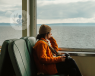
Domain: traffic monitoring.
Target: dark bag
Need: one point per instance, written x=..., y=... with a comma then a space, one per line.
x=67, y=55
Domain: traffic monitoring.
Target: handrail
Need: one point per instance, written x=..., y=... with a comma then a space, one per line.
x=91, y=54
x=77, y=49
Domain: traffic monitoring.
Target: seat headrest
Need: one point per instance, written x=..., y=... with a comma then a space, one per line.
x=32, y=40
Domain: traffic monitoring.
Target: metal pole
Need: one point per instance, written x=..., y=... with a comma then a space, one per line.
x=33, y=19
x=24, y=7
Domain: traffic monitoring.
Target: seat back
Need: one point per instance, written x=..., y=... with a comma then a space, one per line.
x=5, y=62
x=30, y=41
x=20, y=58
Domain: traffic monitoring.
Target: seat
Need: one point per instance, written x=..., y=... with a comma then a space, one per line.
x=20, y=58
x=5, y=63
x=30, y=41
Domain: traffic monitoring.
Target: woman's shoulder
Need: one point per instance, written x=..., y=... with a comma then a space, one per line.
x=40, y=42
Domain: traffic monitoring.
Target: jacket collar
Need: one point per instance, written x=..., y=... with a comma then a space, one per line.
x=44, y=39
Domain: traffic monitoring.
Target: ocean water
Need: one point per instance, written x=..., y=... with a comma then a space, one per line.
x=66, y=35
x=7, y=32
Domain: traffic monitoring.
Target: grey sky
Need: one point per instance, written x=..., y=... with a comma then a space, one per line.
x=64, y=11
x=7, y=7
x=51, y=11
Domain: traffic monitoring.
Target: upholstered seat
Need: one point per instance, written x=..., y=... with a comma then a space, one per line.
x=5, y=63
x=20, y=58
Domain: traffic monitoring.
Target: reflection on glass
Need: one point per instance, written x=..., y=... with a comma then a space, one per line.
x=7, y=7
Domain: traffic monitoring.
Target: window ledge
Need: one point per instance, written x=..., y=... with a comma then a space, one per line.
x=79, y=53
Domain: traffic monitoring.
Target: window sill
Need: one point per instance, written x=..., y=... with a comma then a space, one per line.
x=79, y=53
x=77, y=49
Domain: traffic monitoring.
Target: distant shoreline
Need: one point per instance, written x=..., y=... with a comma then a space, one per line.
x=66, y=24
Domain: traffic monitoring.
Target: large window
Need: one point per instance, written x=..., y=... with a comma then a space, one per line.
x=72, y=21
x=8, y=13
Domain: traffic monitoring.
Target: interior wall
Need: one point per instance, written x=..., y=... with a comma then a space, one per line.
x=85, y=64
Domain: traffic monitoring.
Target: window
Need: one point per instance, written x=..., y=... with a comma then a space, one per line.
x=7, y=8
x=72, y=21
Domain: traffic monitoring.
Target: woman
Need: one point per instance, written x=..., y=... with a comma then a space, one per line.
x=44, y=59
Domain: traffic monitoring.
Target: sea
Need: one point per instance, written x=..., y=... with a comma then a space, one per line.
x=67, y=35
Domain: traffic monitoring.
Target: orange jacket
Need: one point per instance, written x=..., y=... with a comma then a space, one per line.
x=43, y=57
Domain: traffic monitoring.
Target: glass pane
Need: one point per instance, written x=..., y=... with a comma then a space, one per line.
x=72, y=21
x=7, y=15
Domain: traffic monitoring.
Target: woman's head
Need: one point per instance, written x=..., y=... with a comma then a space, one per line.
x=44, y=29
x=44, y=32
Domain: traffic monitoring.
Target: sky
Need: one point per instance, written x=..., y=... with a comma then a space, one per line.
x=53, y=11
x=7, y=7
x=65, y=11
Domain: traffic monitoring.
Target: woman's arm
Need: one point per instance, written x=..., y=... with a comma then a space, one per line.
x=42, y=56
x=54, y=43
